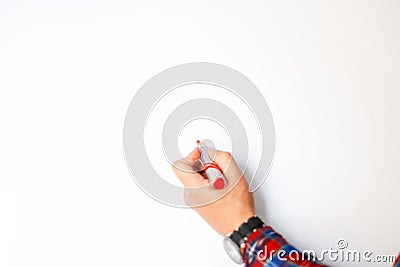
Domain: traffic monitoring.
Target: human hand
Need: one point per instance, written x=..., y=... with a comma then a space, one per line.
x=224, y=209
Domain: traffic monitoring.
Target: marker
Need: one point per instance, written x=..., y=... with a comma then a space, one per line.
x=211, y=169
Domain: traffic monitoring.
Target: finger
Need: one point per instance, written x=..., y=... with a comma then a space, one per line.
x=186, y=170
x=194, y=155
x=227, y=164
x=188, y=163
x=222, y=158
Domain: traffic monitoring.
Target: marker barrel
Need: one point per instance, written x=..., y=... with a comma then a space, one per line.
x=211, y=169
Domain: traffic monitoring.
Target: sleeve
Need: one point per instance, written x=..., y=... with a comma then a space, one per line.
x=397, y=261
x=265, y=247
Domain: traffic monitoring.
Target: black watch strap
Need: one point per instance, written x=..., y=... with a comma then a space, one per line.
x=240, y=235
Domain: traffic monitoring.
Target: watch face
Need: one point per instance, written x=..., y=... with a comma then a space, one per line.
x=233, y=250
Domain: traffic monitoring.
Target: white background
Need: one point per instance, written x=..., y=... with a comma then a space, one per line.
x=329, y=70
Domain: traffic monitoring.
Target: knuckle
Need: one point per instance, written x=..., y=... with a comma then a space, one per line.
x=175, y=163
x=226, y=156
x=173, y=166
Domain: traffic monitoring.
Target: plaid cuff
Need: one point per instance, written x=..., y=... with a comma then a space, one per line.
x=265, y=247
x=397, y=262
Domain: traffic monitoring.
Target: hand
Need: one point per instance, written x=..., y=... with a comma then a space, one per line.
x=225, y=209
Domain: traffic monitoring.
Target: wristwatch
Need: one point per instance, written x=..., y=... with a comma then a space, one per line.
x=235, y=242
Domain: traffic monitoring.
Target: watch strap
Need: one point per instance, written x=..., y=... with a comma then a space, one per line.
x=240, y=235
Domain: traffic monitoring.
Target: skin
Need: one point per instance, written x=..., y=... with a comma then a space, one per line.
x=225, y=209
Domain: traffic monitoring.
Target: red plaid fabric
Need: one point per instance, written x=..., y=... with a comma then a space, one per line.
x=265, y=247
x=397, y=262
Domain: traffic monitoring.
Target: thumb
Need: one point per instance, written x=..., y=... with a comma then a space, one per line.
x=194, y=155
x=186, y=170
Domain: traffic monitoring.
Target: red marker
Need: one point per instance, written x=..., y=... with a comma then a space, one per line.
x=210, y=168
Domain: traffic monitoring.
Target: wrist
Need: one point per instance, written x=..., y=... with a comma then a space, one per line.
x=236, y=242
x=238, y=221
